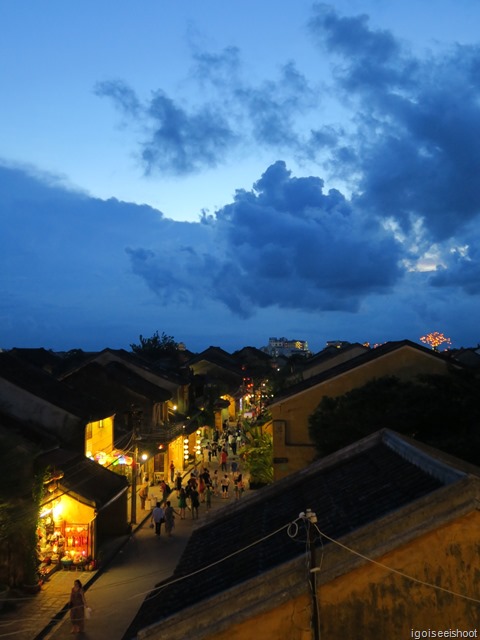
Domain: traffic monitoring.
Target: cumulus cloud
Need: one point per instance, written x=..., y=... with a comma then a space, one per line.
x=285, y=243
x=416, y=123
x=284, y=253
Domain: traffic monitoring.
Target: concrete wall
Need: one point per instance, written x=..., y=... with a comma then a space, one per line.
x=372, y=602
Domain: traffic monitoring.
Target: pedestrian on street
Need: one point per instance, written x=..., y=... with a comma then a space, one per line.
x=172, y=472
x=169, y=518
x=158, y=517
x=182, y=502
x=223, y=460
x=225, y=484
x=195, y=502
x=208, y=497
x=178, y=483
x=215, y=482
x=77, y=607
x=143, y=493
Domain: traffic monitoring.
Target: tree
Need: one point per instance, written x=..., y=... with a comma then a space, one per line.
x=155, y=347
x=258, y=454
x=440, y=410
x=21, y=489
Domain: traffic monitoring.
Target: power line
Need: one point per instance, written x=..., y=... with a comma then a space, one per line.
x=392, y=570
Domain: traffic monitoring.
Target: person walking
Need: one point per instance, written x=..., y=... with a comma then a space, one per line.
x=143, y=493
x=215, y=482
x=77, y=607
x=225, y=485
x=182, y=502
x=195, y=503
x=169, y=518
x=208, y=497
x=223, y=460
x=158, y=517
x=178, y=483
x=172, y=472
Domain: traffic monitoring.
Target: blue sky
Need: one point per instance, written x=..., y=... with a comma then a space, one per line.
x=230, y=171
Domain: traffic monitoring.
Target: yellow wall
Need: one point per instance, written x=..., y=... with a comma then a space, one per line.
x=101, y=436
x=371, y=602
x=291, y=439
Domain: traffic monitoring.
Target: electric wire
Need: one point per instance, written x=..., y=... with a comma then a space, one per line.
x=397, y=571
x=293, y=525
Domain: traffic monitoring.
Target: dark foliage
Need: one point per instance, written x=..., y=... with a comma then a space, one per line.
x=440, y=410
x=155, y=347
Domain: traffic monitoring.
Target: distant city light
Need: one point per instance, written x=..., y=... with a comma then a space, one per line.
x=435, y=339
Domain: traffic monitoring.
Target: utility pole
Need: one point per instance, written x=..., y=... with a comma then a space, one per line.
x=310, y=519
x=133, y=517
x=135, y=415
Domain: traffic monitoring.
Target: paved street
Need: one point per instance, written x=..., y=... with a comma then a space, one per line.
x=115, y=593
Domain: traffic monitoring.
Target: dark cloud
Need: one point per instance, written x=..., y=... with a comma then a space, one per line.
x=416, y=124
x=283, y=244
x=81, y=271
x=460, y=270
x=185, y=142
x=182, y=139
x=178, y=140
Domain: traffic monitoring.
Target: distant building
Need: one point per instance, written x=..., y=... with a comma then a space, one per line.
x=284, y=347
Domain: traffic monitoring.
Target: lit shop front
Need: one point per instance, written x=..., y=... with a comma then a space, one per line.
x=65, y=534
x=83, y=505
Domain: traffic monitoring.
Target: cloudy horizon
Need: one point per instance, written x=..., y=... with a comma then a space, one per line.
x=335, y=197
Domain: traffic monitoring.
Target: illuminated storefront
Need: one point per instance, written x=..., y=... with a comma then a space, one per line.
x=65, y=533
x=83, y=504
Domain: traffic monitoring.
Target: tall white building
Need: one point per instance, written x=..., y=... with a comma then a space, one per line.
x=284, y=347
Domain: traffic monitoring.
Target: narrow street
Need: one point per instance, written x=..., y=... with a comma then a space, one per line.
x=115, y=593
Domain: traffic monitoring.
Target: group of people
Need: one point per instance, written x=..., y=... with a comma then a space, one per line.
x=199, y=489
x=163, y=515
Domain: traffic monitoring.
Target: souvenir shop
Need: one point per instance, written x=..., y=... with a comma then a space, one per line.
x=65, y=532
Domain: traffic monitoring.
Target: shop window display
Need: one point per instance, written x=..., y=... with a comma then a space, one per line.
x=62, y=545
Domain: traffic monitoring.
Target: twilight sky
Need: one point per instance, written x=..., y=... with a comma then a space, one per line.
x=225, y=172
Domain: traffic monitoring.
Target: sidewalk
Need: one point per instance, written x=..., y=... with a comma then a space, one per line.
x=132, y=565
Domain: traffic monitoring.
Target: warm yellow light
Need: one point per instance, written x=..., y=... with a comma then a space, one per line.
x=57, y=510
x=435, y=339
x=144, y=456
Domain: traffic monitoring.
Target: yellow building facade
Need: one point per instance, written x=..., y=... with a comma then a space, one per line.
x=292, y=447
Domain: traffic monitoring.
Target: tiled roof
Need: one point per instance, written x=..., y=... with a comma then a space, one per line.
x=97, y=379
x=45, y=386
x=347, y=490
x=85, y=479
x=349, y=365
x=218, y=357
